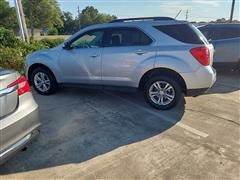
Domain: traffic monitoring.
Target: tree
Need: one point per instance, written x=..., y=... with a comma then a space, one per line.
x=90, y=15
x=70, y=25
x=52, y=31
x=8, y=17
x=44, y=14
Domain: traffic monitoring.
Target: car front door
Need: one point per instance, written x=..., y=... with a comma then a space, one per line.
x=124, y=51
x=80, y=60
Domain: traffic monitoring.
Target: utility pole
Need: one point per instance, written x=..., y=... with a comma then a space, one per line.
x=79, y=19
x=187, y=15
x=21, y=20
x=232, y=10
x=178, y=14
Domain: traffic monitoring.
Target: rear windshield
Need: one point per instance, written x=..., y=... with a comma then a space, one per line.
x=186, y=33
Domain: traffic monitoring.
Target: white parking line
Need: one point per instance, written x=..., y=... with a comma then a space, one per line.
x=163, y=117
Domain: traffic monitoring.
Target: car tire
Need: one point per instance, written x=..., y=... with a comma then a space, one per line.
x=43, y=81
x=159, y=97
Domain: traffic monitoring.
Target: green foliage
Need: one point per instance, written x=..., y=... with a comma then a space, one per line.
x=90, y=16
x=70, y=26
x=42, y=14
x=13, y=51
x=31, y=47
x=53, y=31
x=7, y=38
x=50, y=43
x=11, y=58
x=8, y=17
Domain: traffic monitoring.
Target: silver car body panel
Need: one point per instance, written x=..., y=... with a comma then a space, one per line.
x=8, y=96
x=227, y=49
x=84, y=65
x=122, y=66
x=19, y=117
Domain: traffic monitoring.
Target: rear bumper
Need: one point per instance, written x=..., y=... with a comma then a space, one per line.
x=203, y=78
x=19, y=128
x=12, y=150
x=202, y=81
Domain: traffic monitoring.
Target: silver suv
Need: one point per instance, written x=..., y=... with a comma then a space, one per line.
x=19, y=122
x=161, y=56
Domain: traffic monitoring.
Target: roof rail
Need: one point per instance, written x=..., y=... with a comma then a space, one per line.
x=143, y=19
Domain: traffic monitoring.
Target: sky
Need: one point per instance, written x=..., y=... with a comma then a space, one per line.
x=198, y=10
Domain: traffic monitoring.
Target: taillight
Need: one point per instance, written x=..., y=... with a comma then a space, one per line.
x=202, y=55
x=22, y=84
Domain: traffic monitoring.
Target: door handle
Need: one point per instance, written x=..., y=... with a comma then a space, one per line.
x=140, y=52
x=94, y=55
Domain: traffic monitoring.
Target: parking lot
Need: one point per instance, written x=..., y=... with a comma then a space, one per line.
x=107, y=134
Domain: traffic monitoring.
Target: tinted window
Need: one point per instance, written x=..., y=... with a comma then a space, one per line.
x=226, y=33
x=91, y=39
x=217, y=33
x=186, y=33
x=207, y=33
x=126, y=37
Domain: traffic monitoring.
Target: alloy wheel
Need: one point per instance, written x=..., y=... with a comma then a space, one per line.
x=42, y=82
x=161, y=93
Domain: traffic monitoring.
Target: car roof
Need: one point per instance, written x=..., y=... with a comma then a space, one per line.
x=137, y=23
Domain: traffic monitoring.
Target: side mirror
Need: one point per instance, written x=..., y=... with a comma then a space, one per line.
x=66, y=46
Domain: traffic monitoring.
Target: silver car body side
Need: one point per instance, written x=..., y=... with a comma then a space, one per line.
x=121, y=66
x=227, y=50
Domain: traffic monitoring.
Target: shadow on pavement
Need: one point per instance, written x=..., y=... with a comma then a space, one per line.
x=78, y=125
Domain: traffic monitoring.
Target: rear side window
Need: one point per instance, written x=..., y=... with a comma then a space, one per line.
x=126, y=37
x=186, y=33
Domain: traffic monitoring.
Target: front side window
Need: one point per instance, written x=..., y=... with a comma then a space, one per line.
x=126, y=37
x=91, y=39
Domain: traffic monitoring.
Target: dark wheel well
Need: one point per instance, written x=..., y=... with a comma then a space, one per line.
x=159, y=72
x=34, y=66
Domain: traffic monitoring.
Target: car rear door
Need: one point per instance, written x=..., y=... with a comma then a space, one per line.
x=125, y=49
x=8, y=96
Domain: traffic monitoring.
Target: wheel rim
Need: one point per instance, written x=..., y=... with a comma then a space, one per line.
x=161, y=93
x=42, y=82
